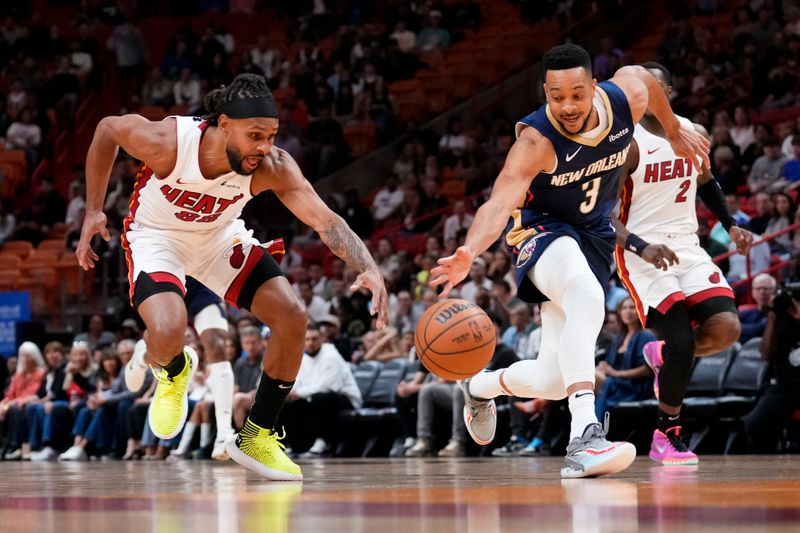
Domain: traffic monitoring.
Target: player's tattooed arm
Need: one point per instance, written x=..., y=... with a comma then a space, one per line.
x=343, y=242
x=302, y=200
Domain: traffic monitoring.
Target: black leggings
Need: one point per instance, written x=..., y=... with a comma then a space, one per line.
x=675, y=328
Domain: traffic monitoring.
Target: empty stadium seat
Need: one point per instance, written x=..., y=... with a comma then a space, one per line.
x=744, y=382
x=705, y=385
x=20, y=248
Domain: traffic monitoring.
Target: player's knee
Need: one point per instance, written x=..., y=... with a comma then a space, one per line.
x=583, y=297
x=296, y=315
x=722, y=330
x=165, y=339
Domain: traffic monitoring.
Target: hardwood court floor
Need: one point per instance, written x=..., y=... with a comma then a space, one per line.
x=405, y=496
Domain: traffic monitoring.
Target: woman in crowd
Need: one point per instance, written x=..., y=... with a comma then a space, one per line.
x=624, y=375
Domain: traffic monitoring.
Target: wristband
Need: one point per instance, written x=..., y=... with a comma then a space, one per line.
x=636, y=244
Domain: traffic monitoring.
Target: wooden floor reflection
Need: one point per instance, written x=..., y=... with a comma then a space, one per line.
x=405, y=496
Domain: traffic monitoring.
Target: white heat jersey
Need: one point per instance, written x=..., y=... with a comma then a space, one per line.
x=185, y=200
x=659, y=197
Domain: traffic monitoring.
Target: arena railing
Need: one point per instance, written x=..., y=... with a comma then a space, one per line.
x=773, y=268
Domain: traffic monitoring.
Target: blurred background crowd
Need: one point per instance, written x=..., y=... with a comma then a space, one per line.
x=359, y=81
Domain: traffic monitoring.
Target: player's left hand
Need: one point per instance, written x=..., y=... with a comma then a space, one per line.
x=660, y=256
x=373, y=281
x=689, y=143
x=742, y=238
x=451, y=270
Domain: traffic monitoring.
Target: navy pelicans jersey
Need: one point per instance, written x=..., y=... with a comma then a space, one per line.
x=577, y=196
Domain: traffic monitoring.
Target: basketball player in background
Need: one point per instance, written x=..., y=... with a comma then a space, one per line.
x=657, y=221
x=556, y=192
x=196, y=175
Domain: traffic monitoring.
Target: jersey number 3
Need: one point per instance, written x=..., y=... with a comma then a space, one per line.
x=684, y=186
x=592, y=189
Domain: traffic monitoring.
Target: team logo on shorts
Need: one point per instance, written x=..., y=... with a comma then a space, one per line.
x=714, y=278
x=235, y=254
x=526, y=252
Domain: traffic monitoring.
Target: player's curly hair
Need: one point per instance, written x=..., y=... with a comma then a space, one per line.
x=566, y=56
x=242, y=86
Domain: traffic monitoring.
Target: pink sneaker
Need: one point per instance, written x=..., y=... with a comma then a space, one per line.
x=654, y=358
x=668, y=449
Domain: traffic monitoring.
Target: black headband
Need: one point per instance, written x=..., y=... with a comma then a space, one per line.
x=262, y=107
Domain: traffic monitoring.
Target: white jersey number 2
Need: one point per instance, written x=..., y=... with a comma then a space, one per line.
x=592, y=188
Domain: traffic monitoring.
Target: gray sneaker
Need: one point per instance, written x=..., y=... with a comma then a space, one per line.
x=480, y=416
x=593, y=455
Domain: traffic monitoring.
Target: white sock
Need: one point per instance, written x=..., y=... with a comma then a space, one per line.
x=319, y=446
x=186, y=439
x=581, y=406
x=486, y=385
x=220, y=382
x=205, y=434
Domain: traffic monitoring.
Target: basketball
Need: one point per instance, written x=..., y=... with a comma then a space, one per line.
x=455, y=339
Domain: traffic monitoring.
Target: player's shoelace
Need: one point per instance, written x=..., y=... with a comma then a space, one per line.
x=676, y=440
x=260, y=443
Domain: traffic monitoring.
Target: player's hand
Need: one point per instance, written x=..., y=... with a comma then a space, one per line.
x=94, y=223
x=689, y=143
x=373, y=280
x=660, y=256
x=742, y=238
x=451, y=270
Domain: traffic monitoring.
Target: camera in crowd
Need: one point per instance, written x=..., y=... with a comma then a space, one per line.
x=787, y=293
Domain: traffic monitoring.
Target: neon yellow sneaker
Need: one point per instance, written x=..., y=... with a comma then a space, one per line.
x=261, y=451
x=170, y=401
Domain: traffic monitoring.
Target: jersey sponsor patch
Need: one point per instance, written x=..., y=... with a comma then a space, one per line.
x=614, y=136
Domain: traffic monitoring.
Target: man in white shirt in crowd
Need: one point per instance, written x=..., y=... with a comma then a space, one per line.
x=23, y=134
x=317, y=307
x=324, y=387
x=388, y=200
x=459, y=220
x=477, y=280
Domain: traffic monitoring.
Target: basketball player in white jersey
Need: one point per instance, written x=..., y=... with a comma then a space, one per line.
x=195, y=178
x=206, y=313
x=657, y=226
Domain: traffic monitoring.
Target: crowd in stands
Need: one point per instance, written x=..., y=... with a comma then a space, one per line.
x=71, y=400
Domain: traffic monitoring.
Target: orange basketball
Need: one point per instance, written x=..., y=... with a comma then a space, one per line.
x=455, y=339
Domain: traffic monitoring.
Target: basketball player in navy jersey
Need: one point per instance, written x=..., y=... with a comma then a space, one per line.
x=554, y=198
x=196, y=176
x=657, y=217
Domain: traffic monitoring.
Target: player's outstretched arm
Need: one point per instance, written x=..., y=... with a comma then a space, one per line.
x=644, y=92
x=297, y=194
x=529, y=155
x=147, y=141
x=711, y=194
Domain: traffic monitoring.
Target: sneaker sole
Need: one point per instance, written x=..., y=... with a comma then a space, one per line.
x=613, y=462
x=251, y=464
x=469, y=428
x=185, y=410
x=675, y=462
